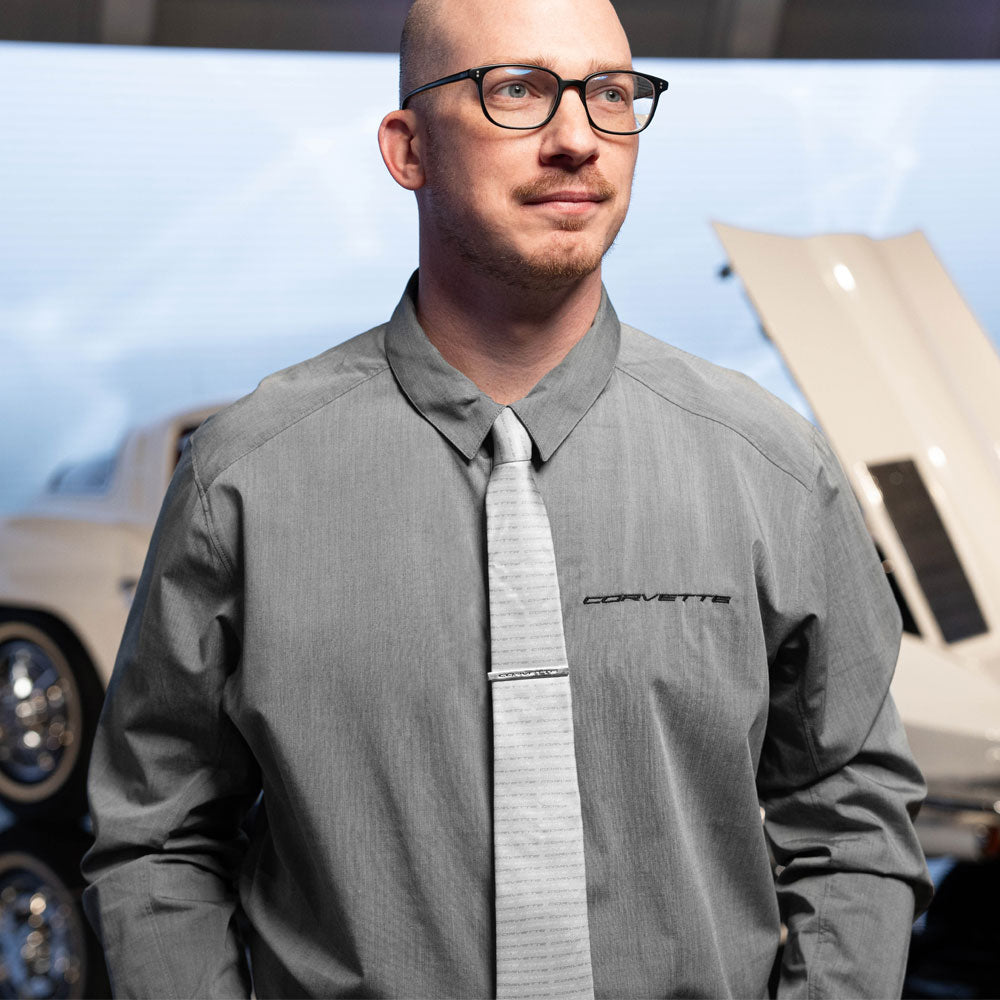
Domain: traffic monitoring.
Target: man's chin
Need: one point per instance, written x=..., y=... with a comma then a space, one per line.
x=561, y=258
x=564, y=261
x=547, y=272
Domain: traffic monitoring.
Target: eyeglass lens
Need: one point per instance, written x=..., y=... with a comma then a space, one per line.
x=523, y=97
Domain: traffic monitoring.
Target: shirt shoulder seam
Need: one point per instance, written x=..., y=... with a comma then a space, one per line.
x=298, y=419
x=722, y=423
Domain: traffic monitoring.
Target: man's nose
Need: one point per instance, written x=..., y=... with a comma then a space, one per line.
x=569, y=136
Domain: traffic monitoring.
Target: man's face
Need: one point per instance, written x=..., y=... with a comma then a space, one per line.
x=492, y=195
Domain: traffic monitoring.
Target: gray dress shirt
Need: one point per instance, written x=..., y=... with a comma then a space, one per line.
x=312, y=623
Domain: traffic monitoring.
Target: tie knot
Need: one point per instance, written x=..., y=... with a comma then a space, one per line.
x=511, y=442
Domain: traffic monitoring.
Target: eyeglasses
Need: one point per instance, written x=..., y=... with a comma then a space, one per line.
x=619, y=102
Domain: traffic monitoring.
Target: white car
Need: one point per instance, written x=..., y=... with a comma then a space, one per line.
x=69, y=564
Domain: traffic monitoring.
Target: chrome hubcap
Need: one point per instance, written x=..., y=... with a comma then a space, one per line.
x=40, y=940
x=35, y=730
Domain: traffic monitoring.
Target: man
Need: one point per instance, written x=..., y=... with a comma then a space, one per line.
x=348, y=606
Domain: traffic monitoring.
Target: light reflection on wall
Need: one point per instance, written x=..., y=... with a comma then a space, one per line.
x=175, y=224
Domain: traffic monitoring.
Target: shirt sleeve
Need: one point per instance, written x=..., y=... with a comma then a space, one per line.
x=171, y=778
x=837, y=781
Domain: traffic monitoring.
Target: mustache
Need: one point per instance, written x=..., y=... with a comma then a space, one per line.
x=592, y=183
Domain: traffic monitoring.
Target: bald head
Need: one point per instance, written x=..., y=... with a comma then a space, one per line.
x=435, y=28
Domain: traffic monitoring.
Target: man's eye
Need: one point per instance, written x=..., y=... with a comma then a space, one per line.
x=517, y=90
x=613, y=96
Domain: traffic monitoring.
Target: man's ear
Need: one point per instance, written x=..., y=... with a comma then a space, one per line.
x=401, y=149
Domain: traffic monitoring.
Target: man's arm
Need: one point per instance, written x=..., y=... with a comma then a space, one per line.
x=171, y=777
x=836, y=779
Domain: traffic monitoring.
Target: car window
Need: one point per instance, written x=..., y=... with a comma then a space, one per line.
x=90, y=476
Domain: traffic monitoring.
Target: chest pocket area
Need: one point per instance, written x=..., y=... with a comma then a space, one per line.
x=689, y=662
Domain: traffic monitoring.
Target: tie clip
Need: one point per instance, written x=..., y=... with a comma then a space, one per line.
x=527, y=675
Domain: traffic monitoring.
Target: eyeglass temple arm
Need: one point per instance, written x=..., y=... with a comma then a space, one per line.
x=464, y=75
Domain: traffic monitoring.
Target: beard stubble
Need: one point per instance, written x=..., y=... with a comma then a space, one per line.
x=489, y=251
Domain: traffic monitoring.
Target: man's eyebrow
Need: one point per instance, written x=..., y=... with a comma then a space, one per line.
x=596, y=65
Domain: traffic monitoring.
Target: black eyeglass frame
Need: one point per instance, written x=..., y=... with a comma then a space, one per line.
x=477, y=74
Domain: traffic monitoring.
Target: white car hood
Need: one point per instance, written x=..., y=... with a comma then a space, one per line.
x=906, y=385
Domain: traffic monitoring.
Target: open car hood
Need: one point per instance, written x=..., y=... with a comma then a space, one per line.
x=906, y=386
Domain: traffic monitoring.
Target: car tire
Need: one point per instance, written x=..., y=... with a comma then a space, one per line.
x=50, y=699
x=47, y=948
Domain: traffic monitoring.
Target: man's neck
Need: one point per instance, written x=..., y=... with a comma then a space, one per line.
x=504, y=339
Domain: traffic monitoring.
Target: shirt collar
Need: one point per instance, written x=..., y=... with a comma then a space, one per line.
x=464, y=414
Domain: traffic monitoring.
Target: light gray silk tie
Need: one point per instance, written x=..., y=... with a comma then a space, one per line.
x=542, y=934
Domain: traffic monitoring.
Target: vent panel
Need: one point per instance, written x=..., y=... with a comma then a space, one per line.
x=929, y=549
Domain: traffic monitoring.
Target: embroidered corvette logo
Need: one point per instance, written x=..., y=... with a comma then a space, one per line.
x=618, y=598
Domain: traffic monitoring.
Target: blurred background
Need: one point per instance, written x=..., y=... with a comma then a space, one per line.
x=191, y=197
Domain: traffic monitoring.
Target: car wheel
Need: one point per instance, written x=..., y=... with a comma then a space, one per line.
x=49, y=703
x=47, y=949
